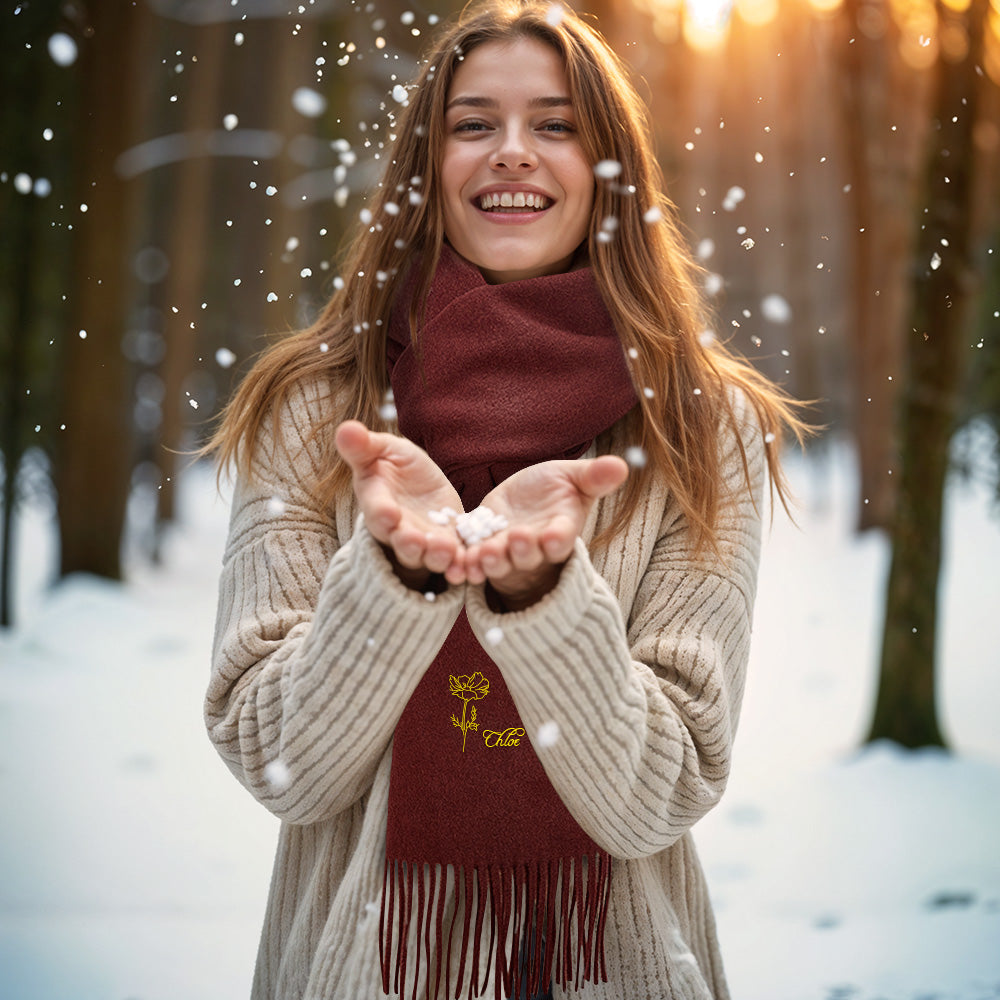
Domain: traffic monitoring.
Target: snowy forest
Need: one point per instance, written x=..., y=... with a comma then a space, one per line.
x=176, y=179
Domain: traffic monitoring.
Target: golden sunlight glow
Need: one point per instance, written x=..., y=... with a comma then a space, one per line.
x=825, y=6
x=706, y=23
x=666, y=15
x=925, y=30
x=918, y=32
x=757, y=12
x=991, y=57
x=954, y=42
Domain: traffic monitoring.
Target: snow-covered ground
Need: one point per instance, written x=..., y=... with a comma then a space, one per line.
x=133, y=867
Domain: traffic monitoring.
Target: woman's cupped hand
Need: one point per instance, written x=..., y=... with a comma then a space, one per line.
x=402, y=493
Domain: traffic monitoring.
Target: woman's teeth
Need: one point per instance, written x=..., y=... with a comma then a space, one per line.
x=513, y=199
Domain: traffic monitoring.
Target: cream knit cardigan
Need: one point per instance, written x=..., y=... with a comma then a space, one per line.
x=638, y=656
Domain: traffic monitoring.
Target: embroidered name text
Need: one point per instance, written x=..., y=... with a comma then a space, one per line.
x=508, y=738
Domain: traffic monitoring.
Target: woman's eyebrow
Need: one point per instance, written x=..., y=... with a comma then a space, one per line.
x=471, y=101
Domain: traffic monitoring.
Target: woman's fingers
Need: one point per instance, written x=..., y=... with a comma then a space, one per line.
x=558, y=538
x=597, y=477
x=525, y=550
x=455, y=573
x=493, y=556
x=354, y=442
x=380, y=507
x=440, y=551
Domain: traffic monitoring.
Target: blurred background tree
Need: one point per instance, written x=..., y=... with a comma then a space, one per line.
x=176, y=177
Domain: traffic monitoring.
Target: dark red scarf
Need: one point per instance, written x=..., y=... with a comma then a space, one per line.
x=508, y=375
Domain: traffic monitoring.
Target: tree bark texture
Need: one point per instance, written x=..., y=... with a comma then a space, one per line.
x=187, y=251
x=27, y=262
x=95, y=458
x=906, y=706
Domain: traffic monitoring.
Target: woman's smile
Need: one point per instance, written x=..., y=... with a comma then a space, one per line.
x=514, y=202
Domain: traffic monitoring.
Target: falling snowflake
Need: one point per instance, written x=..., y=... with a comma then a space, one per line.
x=635, y=456
x=713, y=283
x=608, y=170
x=387, y=411
x=775, y=308
x=225, y=358
x=733, y=197
x=277, y=775
x=494, y=635
x=308, y=102
x=547, y=735
x=62, y=49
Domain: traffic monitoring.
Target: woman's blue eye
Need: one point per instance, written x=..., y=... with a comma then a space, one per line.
x=470, y=126
x=558, y=127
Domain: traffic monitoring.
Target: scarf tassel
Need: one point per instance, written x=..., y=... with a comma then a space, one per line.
x=554, y=909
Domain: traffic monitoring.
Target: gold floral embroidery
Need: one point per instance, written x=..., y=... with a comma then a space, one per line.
x=468, y=689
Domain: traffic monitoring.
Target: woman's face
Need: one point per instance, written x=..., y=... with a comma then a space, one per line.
x=516, y=186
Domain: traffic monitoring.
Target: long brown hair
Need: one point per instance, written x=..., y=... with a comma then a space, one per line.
x=644, y=270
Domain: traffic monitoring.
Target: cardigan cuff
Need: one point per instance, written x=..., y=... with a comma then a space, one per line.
x=377, y=578
x=556, y=614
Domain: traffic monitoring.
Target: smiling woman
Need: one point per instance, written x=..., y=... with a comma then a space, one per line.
x=516, y=185
x=537, y=319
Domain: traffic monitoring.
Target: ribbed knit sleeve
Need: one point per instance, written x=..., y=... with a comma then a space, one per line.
x=318, y=645
x=634, y=719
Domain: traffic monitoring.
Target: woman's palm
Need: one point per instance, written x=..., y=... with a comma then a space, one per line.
x=546, y=507
x=398, y=486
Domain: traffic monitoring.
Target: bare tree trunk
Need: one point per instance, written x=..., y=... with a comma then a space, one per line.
x=22, y=222
x=875, y=350
x=906, y=709
x=95, y=457
x=17, y=257
x=187, y=252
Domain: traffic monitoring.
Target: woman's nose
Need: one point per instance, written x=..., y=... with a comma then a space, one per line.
x=514, y=151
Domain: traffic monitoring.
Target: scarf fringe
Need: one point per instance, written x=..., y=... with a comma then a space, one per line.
x=557, y=909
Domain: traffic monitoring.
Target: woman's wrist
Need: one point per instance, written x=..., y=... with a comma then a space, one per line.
x=501, y=596
x=418, y=578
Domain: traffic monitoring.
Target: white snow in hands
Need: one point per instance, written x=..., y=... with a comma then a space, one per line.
x=472, y=527
x=478, y=525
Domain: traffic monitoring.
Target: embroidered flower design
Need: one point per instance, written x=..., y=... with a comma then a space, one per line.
x=468, y=689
